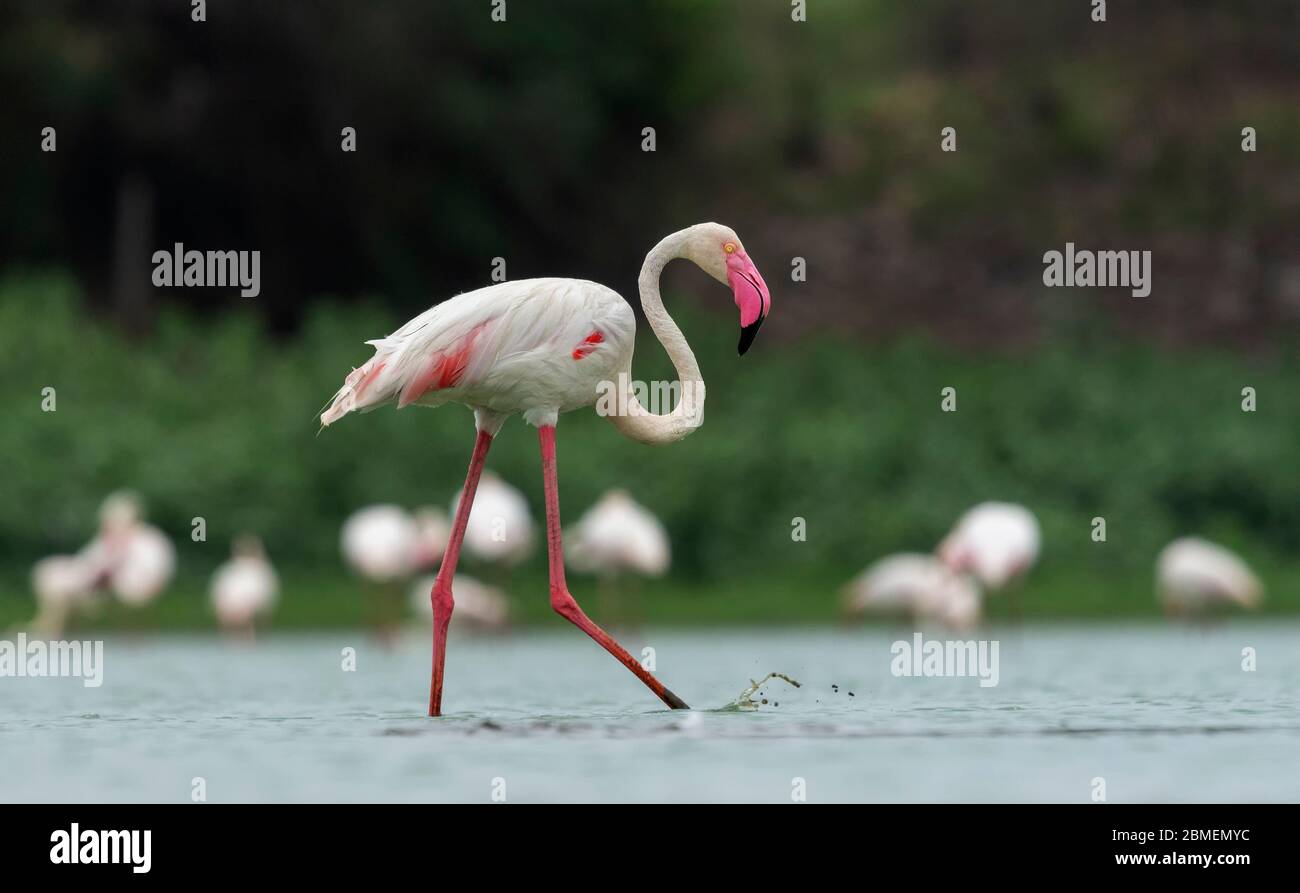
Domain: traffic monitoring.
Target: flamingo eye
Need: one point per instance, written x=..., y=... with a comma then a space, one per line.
x=730, y=247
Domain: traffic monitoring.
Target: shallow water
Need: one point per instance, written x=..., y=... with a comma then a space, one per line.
x=1161, y=713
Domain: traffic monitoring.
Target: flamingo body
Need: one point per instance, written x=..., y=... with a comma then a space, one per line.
x=62, y=584
x=618, y=534
x=384, y=543
x=62, y=581
x=244, y=588
x=996, y=541
x=918, y=585
x=144, y=566
x=536, y=346
x=500, y=527
x=1193, y=574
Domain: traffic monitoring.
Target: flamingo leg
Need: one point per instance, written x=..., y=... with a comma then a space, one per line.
x=441, y=593
x=561, y=601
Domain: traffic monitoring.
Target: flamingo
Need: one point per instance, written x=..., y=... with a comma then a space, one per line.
x=540, y=347
x=477, y=604
x=244, y=588
x=919, y=585
x=63, y=584
x=1193, y=575
x=615, y=537
x=618, y=534
x=500, y=527
x=135, y=559
x=385, y=545
x=996, y=541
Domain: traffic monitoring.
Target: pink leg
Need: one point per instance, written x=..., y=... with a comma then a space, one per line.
x=441, y=594
x=561, y=600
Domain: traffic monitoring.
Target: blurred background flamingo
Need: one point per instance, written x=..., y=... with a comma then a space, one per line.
x=137, y=558
x=500, y=528
x=244, y=589
x=1195, y=576
x=997, y=542
x=617, y=539
x=918, y=586
x=385, y=545
x=131, y=559
x=64, y=585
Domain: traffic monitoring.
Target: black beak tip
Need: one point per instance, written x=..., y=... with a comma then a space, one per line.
x=747, y=335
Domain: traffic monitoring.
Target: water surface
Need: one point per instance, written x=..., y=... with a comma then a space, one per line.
x=1159, y=712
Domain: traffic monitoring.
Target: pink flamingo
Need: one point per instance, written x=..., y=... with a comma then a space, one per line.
x=540, y=347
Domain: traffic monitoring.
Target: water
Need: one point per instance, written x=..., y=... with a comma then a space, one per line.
x=1161, y=713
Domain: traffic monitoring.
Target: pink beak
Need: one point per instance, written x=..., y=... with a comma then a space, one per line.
x=752, y=296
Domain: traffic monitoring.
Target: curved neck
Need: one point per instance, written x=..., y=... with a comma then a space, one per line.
x=635, y=421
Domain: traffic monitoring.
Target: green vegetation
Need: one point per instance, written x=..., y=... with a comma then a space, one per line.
x=214, y=418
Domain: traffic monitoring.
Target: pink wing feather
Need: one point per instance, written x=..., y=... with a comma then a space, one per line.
x=506, y=337
x=430, y=353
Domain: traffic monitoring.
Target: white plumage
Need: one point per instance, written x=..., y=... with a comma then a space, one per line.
x=477, y=604
x=505, y=348
x=500, y=526
x=996, y=541
x=917, y=585
x=62, y=581
x=144, y=568
x=63, y=584
x=618, y=534
x=385, y=543
x=245, y=588
x=1193, y=574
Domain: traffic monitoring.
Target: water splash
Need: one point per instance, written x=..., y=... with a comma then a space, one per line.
x=745, y=700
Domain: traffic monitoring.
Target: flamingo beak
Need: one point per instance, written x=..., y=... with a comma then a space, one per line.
x=752, y=296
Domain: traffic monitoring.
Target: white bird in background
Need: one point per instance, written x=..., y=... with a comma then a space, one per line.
x=1194, y=575
x=63, y=584
x=245, y=588
x=478, y=606
x=996, y=541
x=917, y=585
x=539, y=348
x=500, y=526
x=617, y=535
x=136, y=559
x=386, y=544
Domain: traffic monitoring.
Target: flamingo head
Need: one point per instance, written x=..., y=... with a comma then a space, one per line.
x=248, y=546
x=718, y=251
x=120, y=514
